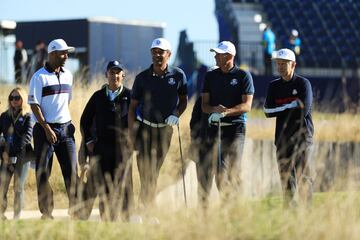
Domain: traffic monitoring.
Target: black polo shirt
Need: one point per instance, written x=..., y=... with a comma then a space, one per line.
x=158, y=96
x=227, y=88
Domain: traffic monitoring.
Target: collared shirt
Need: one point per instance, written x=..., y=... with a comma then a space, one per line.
x=227, y=89
x=113, y=94
x=158, y=96
x=52, y=92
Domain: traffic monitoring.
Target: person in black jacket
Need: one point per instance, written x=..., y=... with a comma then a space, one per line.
x=289, y=99
x=16, y=128
x=110, y=171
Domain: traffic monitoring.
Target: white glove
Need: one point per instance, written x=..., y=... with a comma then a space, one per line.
x=172, y=120
x=215, y=117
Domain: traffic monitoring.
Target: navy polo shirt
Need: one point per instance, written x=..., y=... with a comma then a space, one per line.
x=227, y=88
x=158, y=96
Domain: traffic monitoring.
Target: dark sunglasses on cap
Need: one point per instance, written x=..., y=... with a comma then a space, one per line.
x=16, y=98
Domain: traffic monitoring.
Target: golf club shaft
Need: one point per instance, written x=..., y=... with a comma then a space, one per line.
x=182, y=165
x=219, y=147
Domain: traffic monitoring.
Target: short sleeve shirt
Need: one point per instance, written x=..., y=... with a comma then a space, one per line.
x=158, y=96
x=227, y=89
x=52, y=93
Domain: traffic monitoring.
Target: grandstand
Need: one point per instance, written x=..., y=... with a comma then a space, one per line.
x=328, y=29
x=329, y=32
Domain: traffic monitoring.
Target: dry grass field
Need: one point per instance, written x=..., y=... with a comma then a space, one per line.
x=334, y=216
x=328, y=127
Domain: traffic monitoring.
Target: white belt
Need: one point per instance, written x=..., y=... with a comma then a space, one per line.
x=154, y=125
x=222, y=124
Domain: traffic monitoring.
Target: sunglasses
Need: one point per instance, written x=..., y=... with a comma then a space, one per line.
x=16, y=98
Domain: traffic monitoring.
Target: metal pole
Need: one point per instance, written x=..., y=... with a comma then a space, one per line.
x=182, y=166
x=219, y=146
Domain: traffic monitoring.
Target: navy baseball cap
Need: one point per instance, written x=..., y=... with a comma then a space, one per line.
x=114, y=64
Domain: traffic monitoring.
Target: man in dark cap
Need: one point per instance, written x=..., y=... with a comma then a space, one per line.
x=110, y=169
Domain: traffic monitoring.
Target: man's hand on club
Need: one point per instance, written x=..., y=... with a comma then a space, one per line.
x=172, y=120
x=215, y=117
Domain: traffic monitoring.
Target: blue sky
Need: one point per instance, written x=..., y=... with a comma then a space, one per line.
x=196, y=16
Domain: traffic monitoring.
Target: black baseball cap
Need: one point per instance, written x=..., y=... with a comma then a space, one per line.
x=114, y=64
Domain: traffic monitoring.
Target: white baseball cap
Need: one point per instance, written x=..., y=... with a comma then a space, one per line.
x=59, y=45
x=224, y=47
x=285, y=54
x=161, y=43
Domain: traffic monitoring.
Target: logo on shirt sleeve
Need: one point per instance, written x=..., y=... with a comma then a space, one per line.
x=234, y=82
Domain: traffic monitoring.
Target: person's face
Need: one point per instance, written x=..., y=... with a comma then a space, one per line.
x=15, y=100
x=224, y=59
x=160, y=57
x=217, y=59
x=285, y=67
x=115, y=77
x=59, y=58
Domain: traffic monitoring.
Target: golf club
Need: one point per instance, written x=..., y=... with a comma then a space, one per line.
x=182, y=165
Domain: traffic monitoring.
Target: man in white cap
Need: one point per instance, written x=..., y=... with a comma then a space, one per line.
x=227, y=96
x=289, y=99
x=49, y=97
x=158, y=98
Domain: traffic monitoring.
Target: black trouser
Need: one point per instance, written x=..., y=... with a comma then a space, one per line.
x=20, y=171
x=153, y=144
x=294, y=164
x=65, y=151
x=110, y=177
x=227, y=171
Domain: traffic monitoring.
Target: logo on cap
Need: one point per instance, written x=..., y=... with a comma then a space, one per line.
x=285, y=54
x=161, y=43
x=114, y=64
x=224, y=47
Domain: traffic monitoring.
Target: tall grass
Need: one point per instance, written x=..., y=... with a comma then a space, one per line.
x=333, y=215
x=328, y=127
